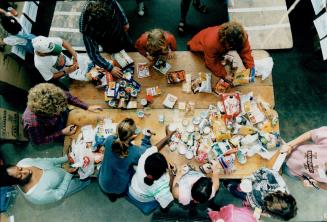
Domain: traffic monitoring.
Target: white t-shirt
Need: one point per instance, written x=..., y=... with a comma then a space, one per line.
x=185, y=186
x=159, y=190
x=48, y=65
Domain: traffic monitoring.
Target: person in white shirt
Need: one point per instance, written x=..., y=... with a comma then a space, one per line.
x=191, y=187
x=150, y=185
x=54, y=65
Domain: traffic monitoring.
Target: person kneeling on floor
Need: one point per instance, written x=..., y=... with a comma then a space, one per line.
x=46, y=114
x=42, y=180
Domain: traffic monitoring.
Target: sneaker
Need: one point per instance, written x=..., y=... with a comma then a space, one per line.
x=141, y=9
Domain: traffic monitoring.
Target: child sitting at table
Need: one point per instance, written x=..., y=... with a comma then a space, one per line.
x=155, y=43
x=119, y=157
x=149, y=187
x=191, y=187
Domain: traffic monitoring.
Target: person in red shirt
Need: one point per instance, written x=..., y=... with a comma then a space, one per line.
x=156, y=42
x=216, y=41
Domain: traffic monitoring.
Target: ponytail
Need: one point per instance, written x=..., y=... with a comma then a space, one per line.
x=119, y=148
x=148, y=180
x=125, y=131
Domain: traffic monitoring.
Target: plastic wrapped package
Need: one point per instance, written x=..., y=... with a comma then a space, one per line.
x=202, y=83
x=244, y=77
x=232, y=104
x=88, y=133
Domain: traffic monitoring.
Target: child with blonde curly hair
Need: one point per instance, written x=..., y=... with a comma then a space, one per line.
x=155, y=43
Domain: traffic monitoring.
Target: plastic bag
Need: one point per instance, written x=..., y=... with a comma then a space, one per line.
x=221, y=86
x=83, y=158
x=243, y=77
x=232, y=104
x=202, y=83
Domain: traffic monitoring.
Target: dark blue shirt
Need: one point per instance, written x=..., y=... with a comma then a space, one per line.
x=116, y=172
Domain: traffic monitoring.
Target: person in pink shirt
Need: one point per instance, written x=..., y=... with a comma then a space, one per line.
x=307, y=157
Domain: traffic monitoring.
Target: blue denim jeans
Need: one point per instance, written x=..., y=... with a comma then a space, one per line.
x=77, y=185
x=145, y=207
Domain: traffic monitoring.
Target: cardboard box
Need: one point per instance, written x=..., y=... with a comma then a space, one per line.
x=4, y=218
x=8, y=123
x=11, y=127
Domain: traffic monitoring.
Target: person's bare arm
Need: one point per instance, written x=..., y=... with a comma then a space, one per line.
x=293, y=144
x=67, y=70
x=175, y=185
x=161, y=144
x=70, y=49
x=215, y=176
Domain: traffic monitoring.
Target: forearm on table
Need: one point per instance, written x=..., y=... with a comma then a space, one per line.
x=161, y=144
x=58, y=75
x=215, y=66
x=215, y=181
x=92, y=49
x=73, y=100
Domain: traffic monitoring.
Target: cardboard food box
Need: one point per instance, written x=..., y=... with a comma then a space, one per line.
x=9, y=120
x=11, y=127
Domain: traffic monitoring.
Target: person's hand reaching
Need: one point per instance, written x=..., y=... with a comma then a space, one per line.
x=116, y=72
x=69, y=130
x=94, y=108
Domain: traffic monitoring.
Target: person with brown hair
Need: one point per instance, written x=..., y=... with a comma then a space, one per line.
x=42, y=180
x=214, y=42
x=103, y=22
x=46, y=113
x=265, y=189
x=119, y=158
x=156, y=42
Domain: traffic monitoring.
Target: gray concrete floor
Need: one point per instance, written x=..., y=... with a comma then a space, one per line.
x=300, y=100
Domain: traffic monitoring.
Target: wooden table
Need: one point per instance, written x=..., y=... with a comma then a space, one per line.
x=266, y=22
x=190, y=63
x=184, y=60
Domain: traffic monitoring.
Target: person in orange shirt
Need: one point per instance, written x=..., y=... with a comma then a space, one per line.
x=216, y=41
x=156, y=42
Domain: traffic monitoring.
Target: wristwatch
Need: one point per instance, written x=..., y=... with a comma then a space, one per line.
x=65, y=73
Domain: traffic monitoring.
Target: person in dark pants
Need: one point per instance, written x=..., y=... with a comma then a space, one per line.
x=185, y=6
x=104, y=23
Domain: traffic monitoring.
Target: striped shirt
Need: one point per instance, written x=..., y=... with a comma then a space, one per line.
x=92, y=46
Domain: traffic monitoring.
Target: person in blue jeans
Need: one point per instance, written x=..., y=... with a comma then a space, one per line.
x=119, y=157
x=42, y=180
x=18, y=36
